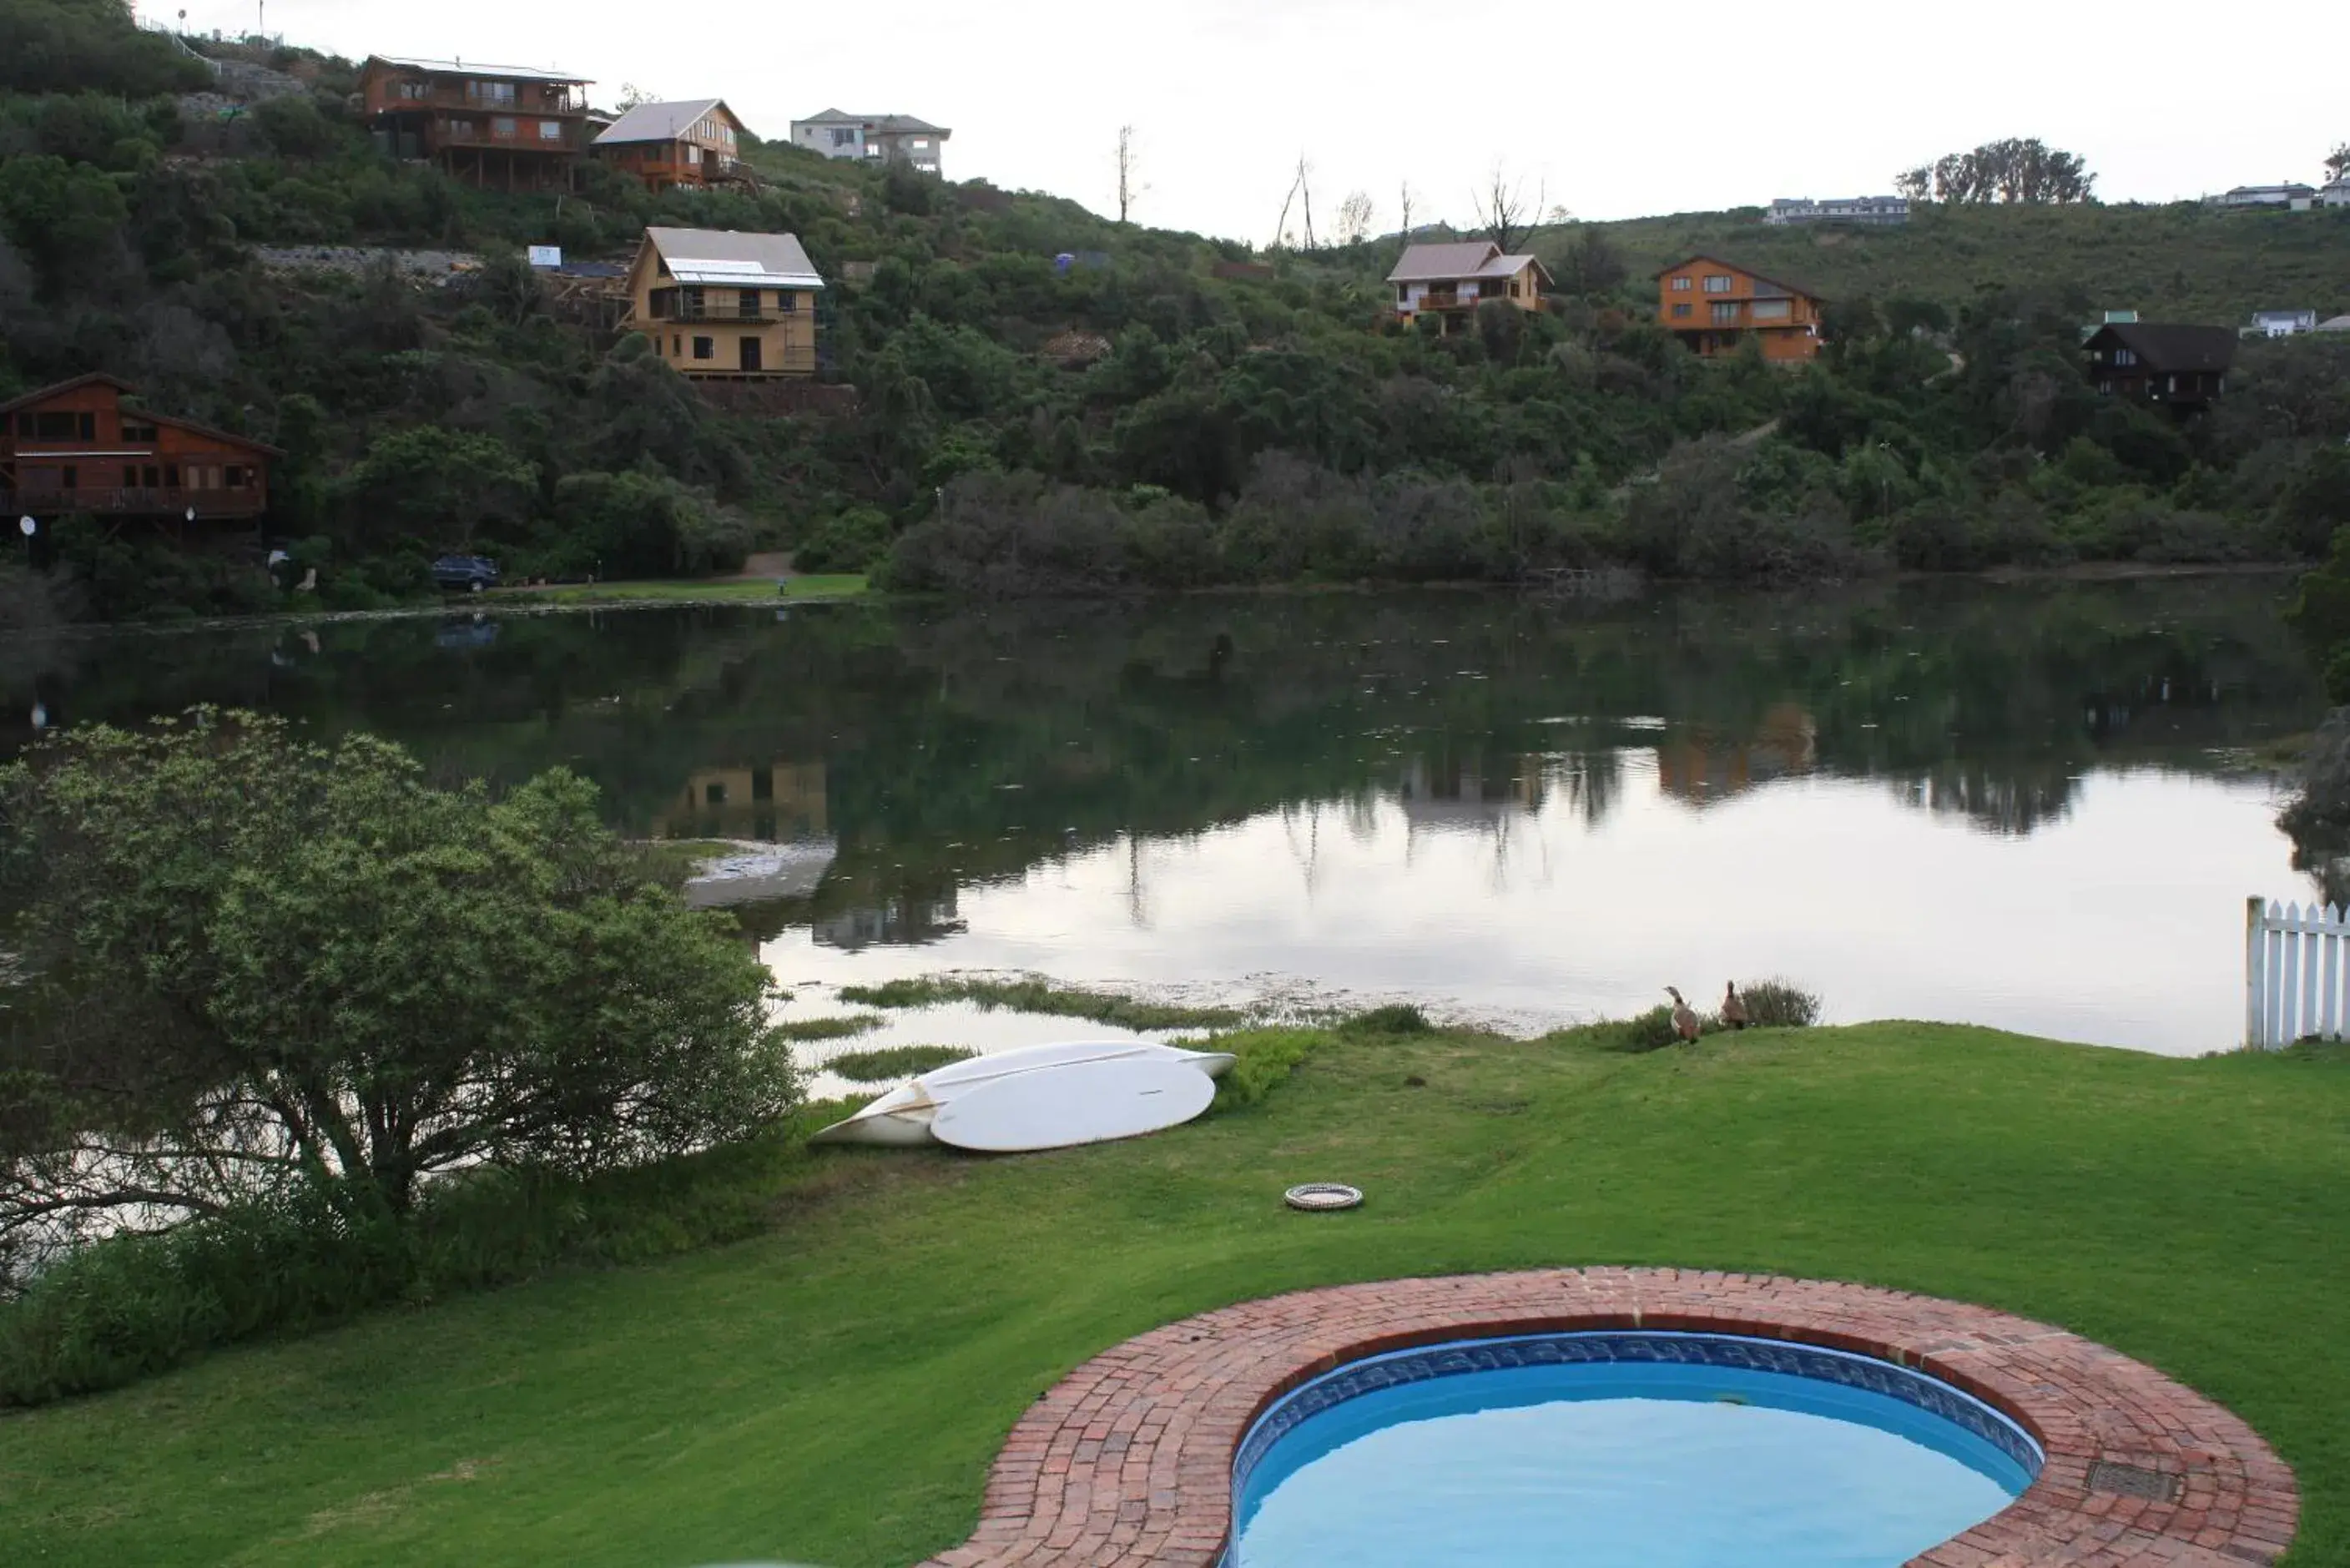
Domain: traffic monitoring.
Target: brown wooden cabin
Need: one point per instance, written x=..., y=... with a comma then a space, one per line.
x=514, y=127
x=75, y=448
x=1714, y=306
x=2182, y=367
x=696, y=143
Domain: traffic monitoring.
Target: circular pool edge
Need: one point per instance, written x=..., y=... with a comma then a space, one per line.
x=1128, y=1461
x=1615, y=1348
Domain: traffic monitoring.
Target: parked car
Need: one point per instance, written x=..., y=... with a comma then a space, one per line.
x=465, y=574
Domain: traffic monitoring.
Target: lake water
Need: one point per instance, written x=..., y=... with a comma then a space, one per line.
x=2038, y=807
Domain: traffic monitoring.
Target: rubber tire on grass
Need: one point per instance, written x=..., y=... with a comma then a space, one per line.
x=1323, y=1197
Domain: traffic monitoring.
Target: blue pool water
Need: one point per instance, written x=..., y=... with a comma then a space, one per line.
x=1620, y=1450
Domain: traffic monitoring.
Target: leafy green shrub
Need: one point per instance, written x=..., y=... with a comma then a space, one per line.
x=897, y=1062
x=1649, y=1031
x=840, y=1028
x=1264, y=1060
x=849, y=541
x=1779, y=1004
x=1397, y=1018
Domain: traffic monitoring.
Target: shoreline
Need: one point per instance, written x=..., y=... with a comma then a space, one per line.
x=500, y=604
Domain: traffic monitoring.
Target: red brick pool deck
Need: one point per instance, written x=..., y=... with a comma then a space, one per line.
x=1128, y=1461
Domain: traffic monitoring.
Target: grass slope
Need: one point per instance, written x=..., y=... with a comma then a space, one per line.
x=833, y=1392
x=2177, y=263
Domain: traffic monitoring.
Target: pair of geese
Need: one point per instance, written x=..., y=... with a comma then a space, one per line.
x=1685, y=1019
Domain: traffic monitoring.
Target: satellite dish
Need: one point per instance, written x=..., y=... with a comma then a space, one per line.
x=27, y=527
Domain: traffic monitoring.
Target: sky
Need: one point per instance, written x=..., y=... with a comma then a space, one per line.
x=1609, y=112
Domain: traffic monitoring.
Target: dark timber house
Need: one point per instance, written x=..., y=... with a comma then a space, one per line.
x=75, y=448
x=2182, y=367
x=511, y=128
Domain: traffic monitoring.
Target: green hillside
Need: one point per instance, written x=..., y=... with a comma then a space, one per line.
x=2178, y=262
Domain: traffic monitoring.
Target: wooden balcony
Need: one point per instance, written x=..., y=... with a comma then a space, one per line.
x=555, y=105
x=114, y=501
x=524, y=138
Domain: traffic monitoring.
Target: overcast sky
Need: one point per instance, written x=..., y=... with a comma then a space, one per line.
x=1617, y=111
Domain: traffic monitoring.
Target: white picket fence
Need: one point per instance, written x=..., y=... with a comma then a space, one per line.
x=2296, y=974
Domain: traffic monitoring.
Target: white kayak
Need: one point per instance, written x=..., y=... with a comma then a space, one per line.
x=903, y=1117
x=1083, y=1102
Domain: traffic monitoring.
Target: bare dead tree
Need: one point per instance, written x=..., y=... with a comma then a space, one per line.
x=1406, y=230
x=1355, y=215
x=1129, y=189
x=1300, y=190
x=1504, y=214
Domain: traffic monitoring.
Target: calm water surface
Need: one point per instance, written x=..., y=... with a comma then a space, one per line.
x=2033, y=808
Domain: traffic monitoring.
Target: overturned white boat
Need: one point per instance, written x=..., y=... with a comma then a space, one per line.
x=903, y=1116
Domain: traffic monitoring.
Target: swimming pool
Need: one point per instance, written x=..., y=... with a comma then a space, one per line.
x=1620, y=1449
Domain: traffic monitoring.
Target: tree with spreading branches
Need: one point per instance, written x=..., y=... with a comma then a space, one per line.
x=1503, y=213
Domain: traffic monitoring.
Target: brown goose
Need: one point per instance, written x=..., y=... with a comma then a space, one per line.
x=1685, y=1024
x=1733, y=1008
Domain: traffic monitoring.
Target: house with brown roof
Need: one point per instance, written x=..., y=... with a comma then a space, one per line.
x=513, y=127
x=1714, y=307
x=76, y=448
x=695, y=142
x=722, y=303
x=2180, y=367
x=1448, y=281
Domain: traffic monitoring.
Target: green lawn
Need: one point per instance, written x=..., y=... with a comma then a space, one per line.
x=720, y=590
x=833, y=1391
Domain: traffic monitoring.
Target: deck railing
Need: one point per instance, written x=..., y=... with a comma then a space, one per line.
x=117, y=501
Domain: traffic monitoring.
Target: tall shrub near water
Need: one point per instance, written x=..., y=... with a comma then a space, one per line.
x=253, y=973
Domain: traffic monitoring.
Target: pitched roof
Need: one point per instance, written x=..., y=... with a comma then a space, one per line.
x=1810, y=294
x=459, y=67
x=1439, y=263
x=895, y=124
x=663, y=121
x=2335, y=324
x=729, y=259
x=2170, y=349
x=100, y=379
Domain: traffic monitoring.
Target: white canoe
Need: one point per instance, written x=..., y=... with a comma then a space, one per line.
x=1083, y=1102
x=901, y=1119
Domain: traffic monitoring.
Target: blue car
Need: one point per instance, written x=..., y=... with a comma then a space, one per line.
x=465, y=574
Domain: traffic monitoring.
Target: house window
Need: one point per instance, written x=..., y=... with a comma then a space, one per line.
x=1771, y=310
x=239, y=478
x=676, y=346
x=490, y=92
x=129, y=477
x=786, y=302
x=66, y=426
x=2125, y=357
x=843, y=136
x=1680, y=286
x=550, y=131
x=152, y=477
x=135, y=429
x=1681, y=310
x=73, y=478
x=662, y=302
x=1725, y=314
x=172, y=476
x=1717, y=284
x=705, y=348
x=502, y=128
x=749, y=303
x=692, y=153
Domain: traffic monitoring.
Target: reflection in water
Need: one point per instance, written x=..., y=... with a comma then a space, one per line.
x=1513, y=804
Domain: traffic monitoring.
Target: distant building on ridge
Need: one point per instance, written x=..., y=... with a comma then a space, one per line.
x=1714, y=306
x=2280, y=323
x=2290, y=196
x=510, y=127
x=695, y=142
x=1450, y=282
x=718, y=304
x=873, y=139
x=1882, y=211
x=2180, y=367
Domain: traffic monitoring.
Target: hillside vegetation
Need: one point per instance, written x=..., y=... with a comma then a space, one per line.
x=2183, y=261
x=1236, y=431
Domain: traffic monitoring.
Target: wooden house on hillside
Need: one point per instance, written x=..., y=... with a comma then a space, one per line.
x=697, y=143
x=1713, y=307
x=1451, y=281
x=76, y=448
x=512, y=128
x=2182, y=367
x=722, y=303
